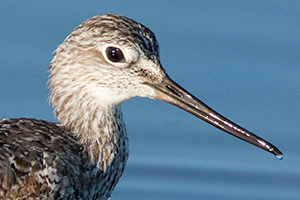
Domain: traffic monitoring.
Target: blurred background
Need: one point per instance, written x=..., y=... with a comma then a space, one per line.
x=239, y=57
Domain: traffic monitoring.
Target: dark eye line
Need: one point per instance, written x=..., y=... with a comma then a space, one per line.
x=115, y=54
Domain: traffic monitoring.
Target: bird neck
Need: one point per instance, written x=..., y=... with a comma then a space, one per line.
x=101, y=132
x=88, y=110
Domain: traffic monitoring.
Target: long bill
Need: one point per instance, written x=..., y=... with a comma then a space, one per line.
x=173, y=93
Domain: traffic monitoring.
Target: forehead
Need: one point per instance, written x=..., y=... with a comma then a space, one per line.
x=123, y=30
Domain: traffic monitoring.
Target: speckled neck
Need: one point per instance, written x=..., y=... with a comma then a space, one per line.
x=98, y=126
x=102, y=133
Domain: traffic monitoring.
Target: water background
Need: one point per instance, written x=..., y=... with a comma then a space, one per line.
x=239, y=57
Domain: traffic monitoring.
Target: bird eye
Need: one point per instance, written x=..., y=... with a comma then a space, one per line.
x=115, y=54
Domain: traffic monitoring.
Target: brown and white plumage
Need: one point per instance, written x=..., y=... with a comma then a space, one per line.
x=84, y=156
x=106, y=60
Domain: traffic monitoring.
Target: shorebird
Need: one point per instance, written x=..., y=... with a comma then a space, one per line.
x=106, y=60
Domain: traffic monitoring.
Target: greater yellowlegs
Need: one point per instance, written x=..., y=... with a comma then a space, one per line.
x=106, y=60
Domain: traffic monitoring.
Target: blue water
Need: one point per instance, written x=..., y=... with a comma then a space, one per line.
x=239, y=57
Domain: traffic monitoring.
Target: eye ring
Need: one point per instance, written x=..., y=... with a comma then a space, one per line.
x=115, y=54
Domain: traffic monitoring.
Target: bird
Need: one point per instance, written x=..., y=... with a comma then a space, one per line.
x=105, y=61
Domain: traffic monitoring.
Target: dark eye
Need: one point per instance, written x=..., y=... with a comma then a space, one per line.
x=115, y=54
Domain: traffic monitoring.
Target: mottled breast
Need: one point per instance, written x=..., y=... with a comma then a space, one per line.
x=41, y=160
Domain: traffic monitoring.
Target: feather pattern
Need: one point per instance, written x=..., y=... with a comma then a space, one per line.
x=84, y=155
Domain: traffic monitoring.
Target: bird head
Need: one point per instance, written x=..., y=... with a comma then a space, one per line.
x=109, y=59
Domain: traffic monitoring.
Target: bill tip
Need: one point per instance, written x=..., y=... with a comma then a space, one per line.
x=279, y=156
